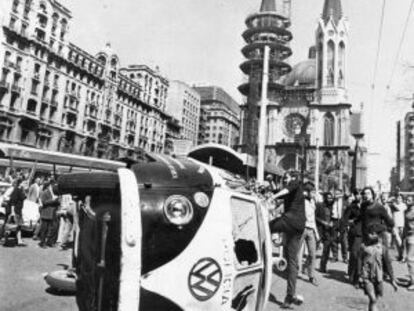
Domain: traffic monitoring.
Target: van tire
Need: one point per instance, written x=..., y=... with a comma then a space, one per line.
x=60, y=281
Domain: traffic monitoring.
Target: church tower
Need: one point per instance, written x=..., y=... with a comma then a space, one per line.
x=332, y=50
x=268, y=27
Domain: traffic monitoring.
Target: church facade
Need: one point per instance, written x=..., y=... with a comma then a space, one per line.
x=309, y=118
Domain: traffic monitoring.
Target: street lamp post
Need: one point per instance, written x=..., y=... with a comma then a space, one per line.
x=303, y=140
x=263, y=117
x=357, y=137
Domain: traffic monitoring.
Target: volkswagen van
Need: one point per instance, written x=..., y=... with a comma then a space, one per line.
x=169, y=234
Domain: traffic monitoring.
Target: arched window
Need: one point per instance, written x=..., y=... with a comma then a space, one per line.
x=329, y=130
x=63, y=29
x=331, y=63
x=341, y=64
x=102, y=59
x=320, y=62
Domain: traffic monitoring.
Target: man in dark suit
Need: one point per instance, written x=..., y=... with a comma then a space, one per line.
x=49, y=203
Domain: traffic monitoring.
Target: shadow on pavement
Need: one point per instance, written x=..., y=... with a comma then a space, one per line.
x=336, y=275
x=56, y=292
x=273, y=299
x=353, y=303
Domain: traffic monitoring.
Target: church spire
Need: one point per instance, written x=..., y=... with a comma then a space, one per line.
x=268, y=6
x=332, y=8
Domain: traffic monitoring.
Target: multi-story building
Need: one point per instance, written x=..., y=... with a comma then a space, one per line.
x=221, y=114
x=56, y=96
x=406, y=181
x=172, y=134
x=183, y=103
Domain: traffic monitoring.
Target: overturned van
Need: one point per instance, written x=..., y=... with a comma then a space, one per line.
x=170, y=234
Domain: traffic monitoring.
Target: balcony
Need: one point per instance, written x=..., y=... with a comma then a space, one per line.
x=4, y=85
x=71, y=107
x=71, y=125
x=93, y=103
x=92, y=116
x=118, y=114
x=8, y=64
x=45, y=100
x=18, y=68
x=55, y=86
x=46, y=83
x=73, y=94
x=90, y=132
x=53, y=103
x=107, y=121
x=34, y=92
x=16, y=89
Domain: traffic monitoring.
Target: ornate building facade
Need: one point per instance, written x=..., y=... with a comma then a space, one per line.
x=309, y=112
x=56, y=96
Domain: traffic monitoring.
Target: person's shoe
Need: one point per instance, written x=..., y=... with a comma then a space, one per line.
x=287, y=304
x=298, y=299
x=42, y=245
x=313, y=281
x=411, y=287
x=345, y=260
x=289, y=301
x=322, y=270
x=21, y=244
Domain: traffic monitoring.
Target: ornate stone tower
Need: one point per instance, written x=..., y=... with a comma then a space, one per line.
x=267, y=27
x=332, y=45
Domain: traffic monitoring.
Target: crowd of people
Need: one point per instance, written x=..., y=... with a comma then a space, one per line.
x=362, y=225
x=51, y=221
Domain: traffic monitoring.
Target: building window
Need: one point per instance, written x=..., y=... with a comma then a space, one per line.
x=331, y=63
x=341, y=65
x=329, y=130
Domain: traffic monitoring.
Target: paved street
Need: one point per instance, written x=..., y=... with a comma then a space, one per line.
x=23, y=288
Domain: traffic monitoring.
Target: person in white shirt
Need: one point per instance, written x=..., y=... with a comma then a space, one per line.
x=310, y=234
x=340, y=231
x=399, y=210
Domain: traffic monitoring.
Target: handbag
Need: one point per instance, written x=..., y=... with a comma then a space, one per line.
x=10, y=225
x=9, y=232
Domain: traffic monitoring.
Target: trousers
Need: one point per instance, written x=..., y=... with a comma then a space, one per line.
x=292, y=246
x=309, y=238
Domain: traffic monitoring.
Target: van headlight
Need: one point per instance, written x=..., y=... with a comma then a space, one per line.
x=178, y=210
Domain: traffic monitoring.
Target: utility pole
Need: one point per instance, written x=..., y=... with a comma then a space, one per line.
x=263, y=117
x=317, y=165
x=398, y=175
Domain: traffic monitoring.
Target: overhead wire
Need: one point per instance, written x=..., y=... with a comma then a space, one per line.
x=374, y=77
x=379, y=40
x=397, y=56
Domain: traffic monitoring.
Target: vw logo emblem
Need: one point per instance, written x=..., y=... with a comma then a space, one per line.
x=204, y=279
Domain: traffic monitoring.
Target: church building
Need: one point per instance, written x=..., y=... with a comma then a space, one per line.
x=309, y=114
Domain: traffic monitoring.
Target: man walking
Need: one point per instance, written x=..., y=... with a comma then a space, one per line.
x=325, y=221
x=310, y=235
x=292, y=224
x=48, y=214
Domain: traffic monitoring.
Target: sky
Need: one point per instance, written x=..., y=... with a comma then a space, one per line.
x=199, y=42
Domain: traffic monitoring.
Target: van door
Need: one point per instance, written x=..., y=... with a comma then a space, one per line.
x=252, y=248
